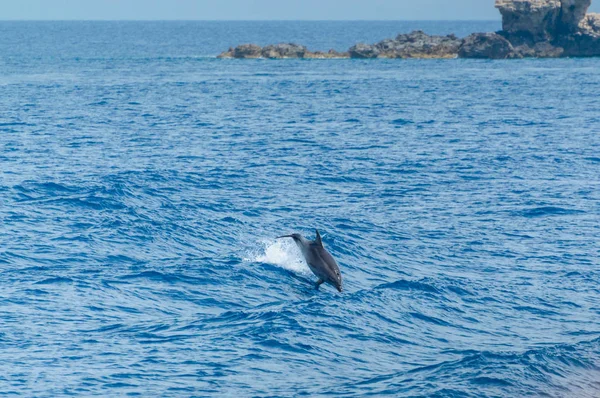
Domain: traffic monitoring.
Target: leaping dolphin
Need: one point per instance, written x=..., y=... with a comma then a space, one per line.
x=320, y=262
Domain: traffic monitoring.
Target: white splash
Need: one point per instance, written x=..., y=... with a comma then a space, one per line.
x=281, y=252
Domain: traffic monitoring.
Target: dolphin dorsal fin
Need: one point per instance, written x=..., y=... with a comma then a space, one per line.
x=318, y=240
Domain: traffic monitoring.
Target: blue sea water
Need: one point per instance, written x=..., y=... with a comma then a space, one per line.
x=143, y=181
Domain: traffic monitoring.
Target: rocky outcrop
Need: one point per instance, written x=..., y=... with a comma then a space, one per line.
x=418, y=44
x=541, y=49
x=496, y=46
x=550, y=28
x=226, y=54
x=531, y=17
x=279, y=51
x=591, y=25
x=487, y=46
x=243, y=51
x=289, y=50
x=542, y=19
x=580, y=45
x=572, y=14
x=530, y=28
x=331, y=54
x=363, y=51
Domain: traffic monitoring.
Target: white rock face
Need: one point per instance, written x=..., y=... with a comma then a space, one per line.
x=591, y=24
x=542, y=18
x=537, y=17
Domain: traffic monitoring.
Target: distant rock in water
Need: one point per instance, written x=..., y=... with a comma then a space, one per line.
x=364, y=51
x=278, y=51
x=486, y=45
x=284, y=51
x=331, y=54
x=417, y=44
x=244, y=51
x=530, y=28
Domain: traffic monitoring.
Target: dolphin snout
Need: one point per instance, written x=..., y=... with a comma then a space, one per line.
x=284, y=236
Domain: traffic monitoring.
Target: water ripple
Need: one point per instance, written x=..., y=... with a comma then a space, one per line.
x=142, y=188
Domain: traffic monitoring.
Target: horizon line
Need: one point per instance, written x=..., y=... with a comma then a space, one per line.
x=251, y=20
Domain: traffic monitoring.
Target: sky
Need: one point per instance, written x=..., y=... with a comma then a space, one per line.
x=250, y=10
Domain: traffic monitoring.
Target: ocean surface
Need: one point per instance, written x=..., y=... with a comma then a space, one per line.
x=143, y=182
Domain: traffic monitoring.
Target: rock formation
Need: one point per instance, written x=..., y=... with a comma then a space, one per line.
x=536, y=18
x=543, y=19
x=550, y=28
x=530, y=28
x=246, y=51
x=591, y=25
x=278, y=51
x=419, y=45
x=289, y=50
x=486, y=45
x=362, y=50
x=572, y=14
x=331, y=54
x=412, y=45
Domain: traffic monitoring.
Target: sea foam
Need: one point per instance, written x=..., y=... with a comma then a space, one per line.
x=280, y=252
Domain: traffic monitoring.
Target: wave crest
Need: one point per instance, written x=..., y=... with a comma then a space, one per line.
x=280, y=252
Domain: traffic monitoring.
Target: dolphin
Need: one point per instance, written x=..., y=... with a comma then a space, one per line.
x=320, y=262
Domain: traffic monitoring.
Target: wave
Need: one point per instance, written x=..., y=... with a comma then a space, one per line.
x=568, y=368
x=548, y=211
x=279, y=252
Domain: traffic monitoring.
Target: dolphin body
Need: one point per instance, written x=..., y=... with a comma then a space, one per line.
x=320, y=262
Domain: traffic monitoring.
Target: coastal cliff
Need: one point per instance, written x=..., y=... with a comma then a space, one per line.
x=550, y=28
x=530, y=28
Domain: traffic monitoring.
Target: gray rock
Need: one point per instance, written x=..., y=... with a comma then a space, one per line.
x=550, y=28
x=362, y=50
x=486, y=45
x=284, y=50
x=418, y=44
x=572, y=14
x=543, y=19
x=537, y=18
x=580, y=45
x=542, y=49
x=226, y=54
x=331, y=54
x=247, y=51
x=591, y=25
